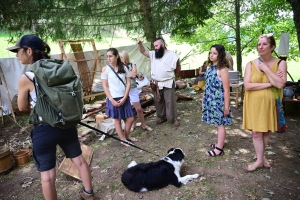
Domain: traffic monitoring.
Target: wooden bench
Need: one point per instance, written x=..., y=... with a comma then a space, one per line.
x=237, y=92
x=284, y=101
x=237, y=87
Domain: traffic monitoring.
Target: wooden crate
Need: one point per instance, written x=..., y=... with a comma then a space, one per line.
x=191, y=73
x=68, y=167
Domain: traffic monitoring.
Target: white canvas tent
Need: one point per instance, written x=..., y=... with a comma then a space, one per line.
x=13, y=69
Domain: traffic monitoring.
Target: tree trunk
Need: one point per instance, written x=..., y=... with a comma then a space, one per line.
x=238, y=36
x=149, y=29
x=296, y=9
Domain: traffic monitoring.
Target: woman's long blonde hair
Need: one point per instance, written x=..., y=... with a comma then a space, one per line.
x=125, y=56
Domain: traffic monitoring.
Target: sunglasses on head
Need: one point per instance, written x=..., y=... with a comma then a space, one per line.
x=267, y=35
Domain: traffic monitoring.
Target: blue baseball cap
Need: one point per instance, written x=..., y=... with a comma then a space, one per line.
x=29, y=41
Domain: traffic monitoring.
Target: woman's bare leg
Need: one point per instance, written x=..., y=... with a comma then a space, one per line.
x=119, y=129
x=221, y=136
x=84, y=171
x=266, y=136
x=221, y=139
x=139, y=111
x=258, y=143
x=128, y=125
x=48, y=184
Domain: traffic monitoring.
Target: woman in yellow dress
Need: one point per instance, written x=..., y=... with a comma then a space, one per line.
x=199, y=82
x=259, y=111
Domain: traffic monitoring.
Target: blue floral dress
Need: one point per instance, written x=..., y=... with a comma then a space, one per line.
x=213, y=103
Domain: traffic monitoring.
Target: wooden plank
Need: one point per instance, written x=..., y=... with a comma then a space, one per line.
x=291, y=100
x=237, y=94
x=68, y=167
x=93, y=95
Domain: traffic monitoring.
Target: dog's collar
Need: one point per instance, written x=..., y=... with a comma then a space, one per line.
x=167, y=159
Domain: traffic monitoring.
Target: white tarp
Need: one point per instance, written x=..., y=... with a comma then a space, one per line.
x=13, y=69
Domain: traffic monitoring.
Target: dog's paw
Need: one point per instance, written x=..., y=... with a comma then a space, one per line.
x=184, y=180
x=133, y=163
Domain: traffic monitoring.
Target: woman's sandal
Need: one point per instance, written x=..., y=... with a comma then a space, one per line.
x=132, y=128
x=148, y=128
x=213, y=153
x=126, y=145
x=176, y=123
x=131, y=139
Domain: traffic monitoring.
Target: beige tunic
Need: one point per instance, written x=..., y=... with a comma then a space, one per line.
x=163, y=69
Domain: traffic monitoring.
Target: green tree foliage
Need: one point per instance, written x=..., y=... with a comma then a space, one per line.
x=72, y=19
x=237, y=24
x=234, y=23
x=296, y=10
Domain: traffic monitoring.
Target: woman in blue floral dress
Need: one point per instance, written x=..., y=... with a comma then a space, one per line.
x=216, y=99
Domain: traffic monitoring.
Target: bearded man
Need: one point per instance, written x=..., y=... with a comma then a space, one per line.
x=164, y=65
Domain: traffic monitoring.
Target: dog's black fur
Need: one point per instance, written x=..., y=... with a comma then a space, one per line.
x=156, y=175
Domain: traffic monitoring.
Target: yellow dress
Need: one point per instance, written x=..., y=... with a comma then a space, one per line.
x=259, y=110
x=200, y=85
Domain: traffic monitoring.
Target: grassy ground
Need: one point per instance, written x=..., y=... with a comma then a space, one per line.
x=223, y=177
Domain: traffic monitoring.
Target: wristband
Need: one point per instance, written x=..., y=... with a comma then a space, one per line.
x=110, y=98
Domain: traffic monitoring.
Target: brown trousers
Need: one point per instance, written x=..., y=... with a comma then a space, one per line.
x=166, y=107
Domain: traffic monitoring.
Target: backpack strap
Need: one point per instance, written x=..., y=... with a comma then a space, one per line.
x=277, y=63
x=32, y=103
x=33, y=81
x=29, y=78
x=130, y=66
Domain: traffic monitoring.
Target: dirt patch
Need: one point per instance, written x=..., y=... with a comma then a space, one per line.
x=222, y=177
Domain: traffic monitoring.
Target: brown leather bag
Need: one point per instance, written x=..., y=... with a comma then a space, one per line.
x=153, y=86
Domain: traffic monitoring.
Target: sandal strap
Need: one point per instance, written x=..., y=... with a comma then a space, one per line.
x=148, y=128
x=218, y=149
x=212, y=154
x=161, y=120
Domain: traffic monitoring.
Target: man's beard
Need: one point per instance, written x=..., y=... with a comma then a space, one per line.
x=159, y=53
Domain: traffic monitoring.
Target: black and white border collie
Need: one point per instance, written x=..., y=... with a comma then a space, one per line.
x=145, y=177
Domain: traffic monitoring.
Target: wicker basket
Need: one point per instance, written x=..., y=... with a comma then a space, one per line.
x=183, y=96
x=181, y=84
x=22, y=157
x=5, y=158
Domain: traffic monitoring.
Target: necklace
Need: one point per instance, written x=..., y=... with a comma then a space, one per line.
x=266, y=63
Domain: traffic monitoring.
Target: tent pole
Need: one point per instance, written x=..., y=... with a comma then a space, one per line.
x=8, y=95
